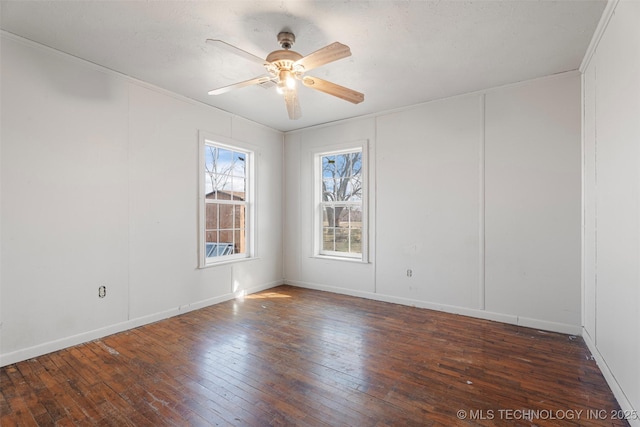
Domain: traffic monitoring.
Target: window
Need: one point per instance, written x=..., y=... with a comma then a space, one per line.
x=340, y=191
x=226, y=202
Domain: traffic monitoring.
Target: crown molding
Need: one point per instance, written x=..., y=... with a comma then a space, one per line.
x=598, y=33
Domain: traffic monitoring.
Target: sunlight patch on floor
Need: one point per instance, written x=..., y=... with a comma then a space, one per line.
x=267, y=295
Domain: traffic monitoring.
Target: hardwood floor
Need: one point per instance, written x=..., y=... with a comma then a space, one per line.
x=290, y=356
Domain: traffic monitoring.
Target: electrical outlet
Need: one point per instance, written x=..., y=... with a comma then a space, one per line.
x=409, y=272
x=102, y=291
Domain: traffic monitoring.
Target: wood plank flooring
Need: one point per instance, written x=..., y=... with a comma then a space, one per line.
x=290, y=356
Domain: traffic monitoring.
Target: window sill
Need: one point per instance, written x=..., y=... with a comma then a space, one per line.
x=338, y=258
x=226, y=262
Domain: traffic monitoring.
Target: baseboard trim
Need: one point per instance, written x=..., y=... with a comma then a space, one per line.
x=59, y=344
x=464, y=311
x=619, y=394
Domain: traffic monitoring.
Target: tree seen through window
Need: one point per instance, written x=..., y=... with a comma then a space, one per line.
x=341, y=203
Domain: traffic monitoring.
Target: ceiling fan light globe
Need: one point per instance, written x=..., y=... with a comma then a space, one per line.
x=291, y=82
x=286, y=80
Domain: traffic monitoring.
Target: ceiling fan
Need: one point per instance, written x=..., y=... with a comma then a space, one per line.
x=285, y=66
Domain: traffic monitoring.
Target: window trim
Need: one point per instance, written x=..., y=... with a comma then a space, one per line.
x=317, y=252
x=204, y=139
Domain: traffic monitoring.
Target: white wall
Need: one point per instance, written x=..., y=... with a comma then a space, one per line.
x=99, y=179
x=612, y=201
x=428, y=202
x=532, y=198
x=479, y=195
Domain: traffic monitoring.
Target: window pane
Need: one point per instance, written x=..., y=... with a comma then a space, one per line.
x=356, y=159
x=354, y=190
x=239, y=164
x=226, y=236
x=210, y=155
x=339, y=192
x=328, y=238
x=328, y=217
x=238, y=187
x=342, y=165
x=219, y=166
x=226, y=216
x=208, y=185
x=239, y=242
x=223, y=186
x=341, y=239
x=217, y=186
x=211, y=213
x=345, y=190
x=239, y=216
x=342, y=189
x=329, y=166
x=212, y=236
x=218, y=249
x=217, y=160
x=328, y=190
x=355, y=240
x=355, y=216
x=342, y=216
x=224, y=160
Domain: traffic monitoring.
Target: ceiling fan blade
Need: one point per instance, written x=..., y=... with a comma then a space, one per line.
x=225, y=89
x=293, y=105
x=243, y=53
x=333, y=89
x=327, y=54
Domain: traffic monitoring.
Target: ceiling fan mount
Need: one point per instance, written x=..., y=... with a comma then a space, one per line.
x=285, y=67
x=286, y=40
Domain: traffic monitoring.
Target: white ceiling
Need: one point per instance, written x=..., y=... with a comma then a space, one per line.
x=403, y=52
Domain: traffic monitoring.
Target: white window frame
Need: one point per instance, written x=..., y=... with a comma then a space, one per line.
x=206, y=139
x=318, y=202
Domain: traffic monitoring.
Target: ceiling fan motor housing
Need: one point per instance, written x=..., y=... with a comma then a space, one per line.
x=283, y=60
